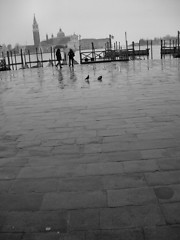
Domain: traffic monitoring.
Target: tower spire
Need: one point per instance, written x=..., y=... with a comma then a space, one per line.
x=35, y=25
x=36, y=32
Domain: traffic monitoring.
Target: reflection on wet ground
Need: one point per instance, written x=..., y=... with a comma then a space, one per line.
x=113, y=75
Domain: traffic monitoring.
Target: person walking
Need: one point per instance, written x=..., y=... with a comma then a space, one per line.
x=58, y=57
x=71, y=57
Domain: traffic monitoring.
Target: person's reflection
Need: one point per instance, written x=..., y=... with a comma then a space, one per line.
x=72, y=75
x=60, y=80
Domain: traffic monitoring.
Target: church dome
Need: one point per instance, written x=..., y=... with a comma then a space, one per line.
x=60, y=34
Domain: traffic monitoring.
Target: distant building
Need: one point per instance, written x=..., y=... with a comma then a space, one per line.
x=61, y=40
x=71, y=41
x=86, y=43
x=36, y=36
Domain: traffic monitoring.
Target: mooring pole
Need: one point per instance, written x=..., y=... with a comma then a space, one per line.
x=151, y=50
x=22, y=63
x=15, y=59
x=110, y=44
x=147, y=50
x=8, y=59
x=133, y=50
x=37, y=55
x=126, y=44
x=139, y=48
x=29, y=58
x=161, y=47
x=12, y=60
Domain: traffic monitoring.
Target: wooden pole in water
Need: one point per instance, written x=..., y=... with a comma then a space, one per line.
x=93, y=52
x=170, y=47
x=139, y=48
x=29, y=58
x=151, y=50
x=8, y=59
x=54, y=57
x=126, y=41
x=161, y=47
x=15, y=59
x=25, y=59
x=22, y=62
x=51, y=54
x=178, y=41
x=12, y=60
x=41, y=57
x=126, y=44
x=37, y=55
x=147, y=50
x=110, y=43
x=133, y=50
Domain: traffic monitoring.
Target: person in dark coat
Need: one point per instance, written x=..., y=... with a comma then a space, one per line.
x=58, y=57
x=71, y=57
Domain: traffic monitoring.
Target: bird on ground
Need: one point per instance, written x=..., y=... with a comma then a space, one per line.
x=87, y=79
x=100, y=78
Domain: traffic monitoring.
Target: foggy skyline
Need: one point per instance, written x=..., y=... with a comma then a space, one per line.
x=90, y=19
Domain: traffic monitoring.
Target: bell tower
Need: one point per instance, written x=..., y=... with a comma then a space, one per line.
x=36, y=36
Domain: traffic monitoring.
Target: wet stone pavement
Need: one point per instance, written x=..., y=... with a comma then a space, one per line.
x=93, y=161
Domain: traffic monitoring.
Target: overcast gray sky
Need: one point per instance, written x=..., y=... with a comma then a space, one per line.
x=93, y=18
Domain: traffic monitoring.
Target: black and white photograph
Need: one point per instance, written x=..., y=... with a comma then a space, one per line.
x=89, y=120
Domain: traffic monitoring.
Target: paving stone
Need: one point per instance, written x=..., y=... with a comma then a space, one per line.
x=121, y=156
x=171, y=212
x=123, y=234
x=162, y=233
x=34, y=185
x=66, y=149
x=111, y=132
x=42, y=236
x=12, y=162
x=9, y=172
x=20, y=202
x=115, y=147
x=134, y=196
x=130, y=216
x=104, y=168
x=5, y=185
x=119, y=181
x=140, y=166
x=36, y=221
x=37, y=172
x=73, y=200
x=11, y=236
x=163, y=178
x=79, y=184
x=84, y=219
x=169, y=164
x=170, y=193
x=152, y=153
x=92, y=148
